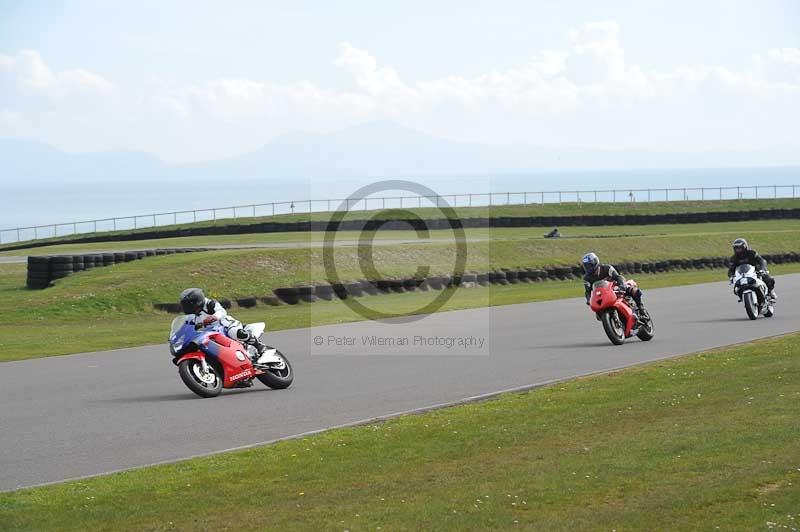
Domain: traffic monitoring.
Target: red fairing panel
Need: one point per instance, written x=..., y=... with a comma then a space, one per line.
x=235, y=368
x=626, y=314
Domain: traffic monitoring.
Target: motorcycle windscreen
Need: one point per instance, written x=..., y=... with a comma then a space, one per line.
x=745, y=270
x=177, y=325
x=181, y=333
x=600, y=284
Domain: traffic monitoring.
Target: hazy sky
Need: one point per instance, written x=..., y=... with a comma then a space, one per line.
x=194, y=80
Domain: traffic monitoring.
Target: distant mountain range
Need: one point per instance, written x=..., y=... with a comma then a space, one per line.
x=376, y=149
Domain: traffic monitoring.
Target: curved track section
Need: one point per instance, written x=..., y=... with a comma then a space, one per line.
x=79, y=415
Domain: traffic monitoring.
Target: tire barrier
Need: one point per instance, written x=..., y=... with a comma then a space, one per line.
x=272, y=301
x=328, y=292
x=324, y=291
x=38, y=272
x=430, y=224
x=247, y=302
x=287, y=295
x=42, y=271
x=307, y=293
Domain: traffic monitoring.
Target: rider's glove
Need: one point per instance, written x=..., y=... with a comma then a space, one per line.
x=209, y=320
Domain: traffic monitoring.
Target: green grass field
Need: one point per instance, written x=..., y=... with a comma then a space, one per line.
x=112, y=307
x=547, y=209
x=704, y=442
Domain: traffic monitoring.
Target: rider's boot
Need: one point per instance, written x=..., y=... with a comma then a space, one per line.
x=772, y=296
x=260, y=346
x=247, y=338
x=641, y=312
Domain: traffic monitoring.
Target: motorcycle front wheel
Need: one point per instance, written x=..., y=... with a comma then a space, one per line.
x=613, y=326
x=750, y=304
x=204, y=384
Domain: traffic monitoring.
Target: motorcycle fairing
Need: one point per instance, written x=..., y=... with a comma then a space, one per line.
x=230, y=354
x=604, y=297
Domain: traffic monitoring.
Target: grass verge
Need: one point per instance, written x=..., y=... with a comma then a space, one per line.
x=701, y=442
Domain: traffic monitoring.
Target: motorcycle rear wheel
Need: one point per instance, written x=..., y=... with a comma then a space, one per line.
x=613, y=326
x=646, y=331
x=278, y=378
x=191, y=372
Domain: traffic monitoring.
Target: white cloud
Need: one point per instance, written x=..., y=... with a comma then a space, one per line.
x=29, y=71
x=585, y=94
x=780, y=65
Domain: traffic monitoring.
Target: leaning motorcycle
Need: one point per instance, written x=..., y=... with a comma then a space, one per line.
x=209, y=361
x=751, y=289
x=618, y=313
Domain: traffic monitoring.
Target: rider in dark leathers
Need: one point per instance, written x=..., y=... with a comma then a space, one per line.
x=742, y=254
x=595, y=271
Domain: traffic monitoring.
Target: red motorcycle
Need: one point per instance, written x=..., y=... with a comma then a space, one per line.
x=209, y=361
x=618, y=313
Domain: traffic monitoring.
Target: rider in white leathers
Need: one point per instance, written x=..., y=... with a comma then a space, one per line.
x=206, y=311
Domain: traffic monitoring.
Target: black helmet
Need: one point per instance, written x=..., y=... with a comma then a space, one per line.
x=192, y=300
x=740, y=247
x=590, y=262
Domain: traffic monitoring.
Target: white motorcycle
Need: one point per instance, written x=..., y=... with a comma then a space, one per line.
x=748, y=287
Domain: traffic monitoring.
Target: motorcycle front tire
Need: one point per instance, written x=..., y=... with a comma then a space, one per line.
x=614, y=332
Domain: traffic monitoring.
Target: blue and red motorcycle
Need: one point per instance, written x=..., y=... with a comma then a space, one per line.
x=209, y=361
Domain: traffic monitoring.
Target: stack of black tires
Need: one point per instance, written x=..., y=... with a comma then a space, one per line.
x=38, y=272
x=61, y=267
x=43, y=270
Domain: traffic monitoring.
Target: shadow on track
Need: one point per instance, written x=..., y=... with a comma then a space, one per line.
x=576, y=345
x=719, y=320
x=187, y=396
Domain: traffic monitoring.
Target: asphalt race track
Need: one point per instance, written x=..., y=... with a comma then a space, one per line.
x=72, y=416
